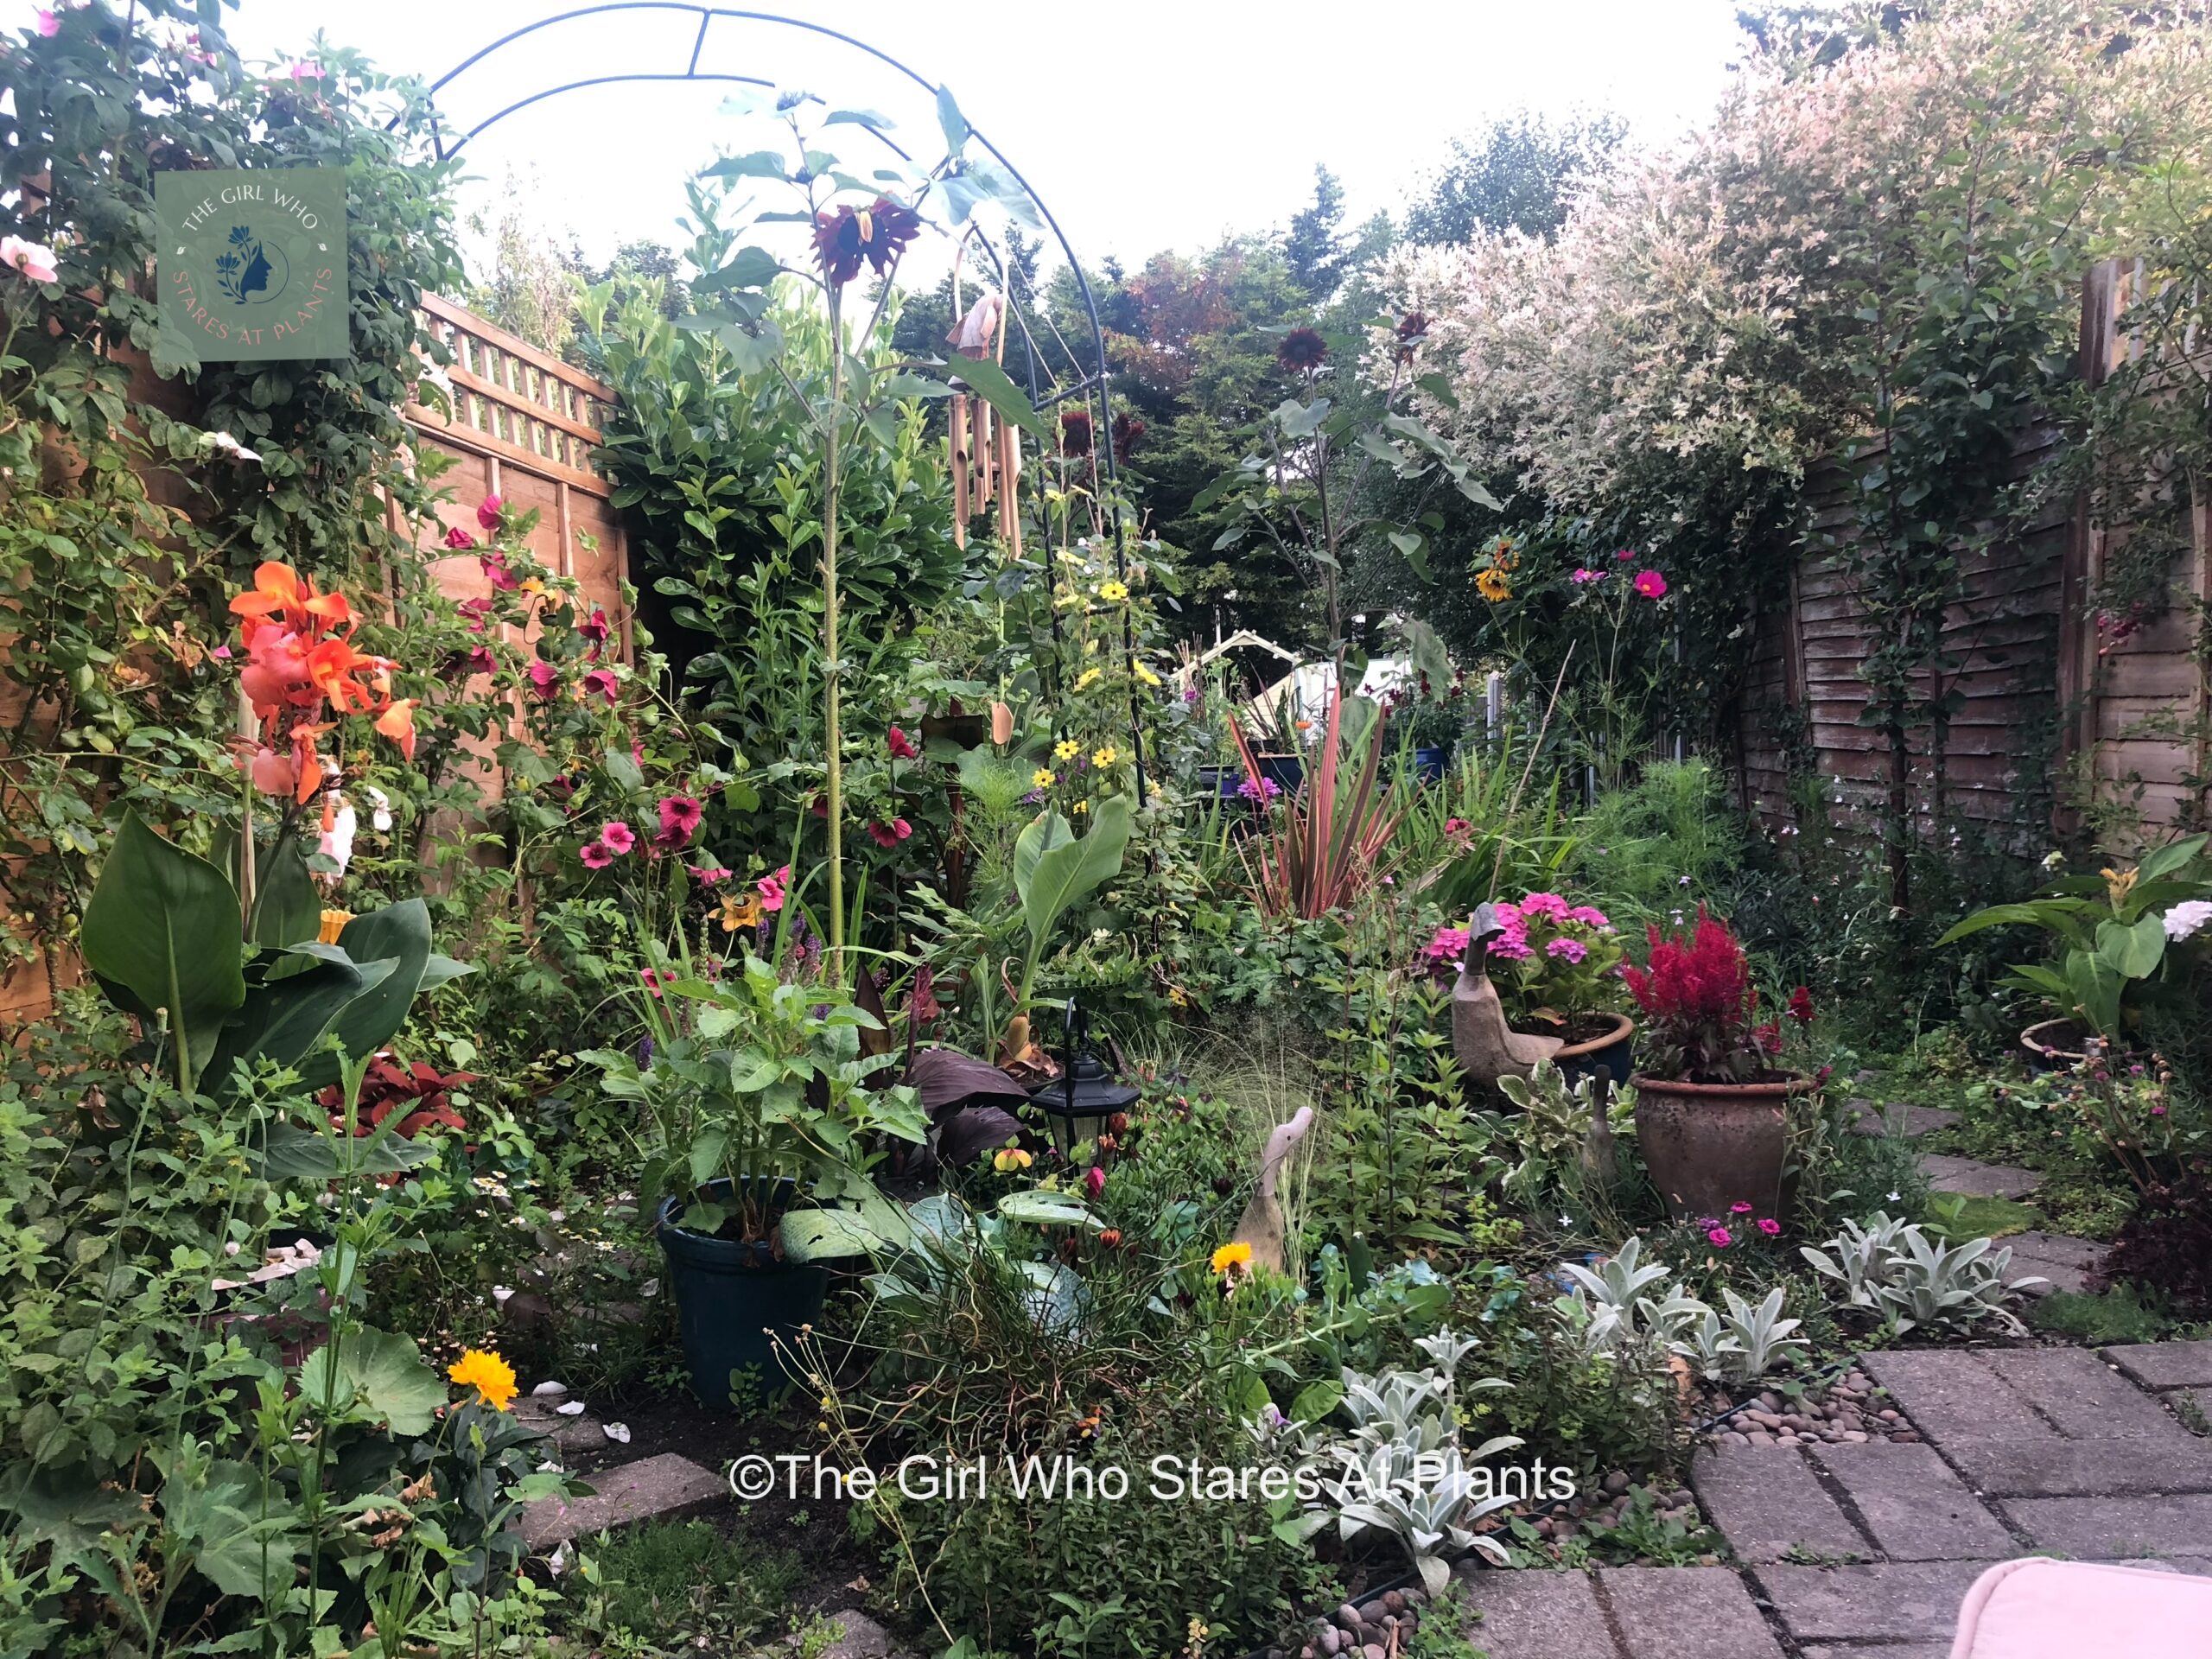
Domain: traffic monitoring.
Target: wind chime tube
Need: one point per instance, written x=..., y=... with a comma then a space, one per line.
x=956, y=440
x=1010, y=488
x=980, y=412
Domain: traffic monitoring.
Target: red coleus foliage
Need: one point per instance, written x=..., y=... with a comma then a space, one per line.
x=1702, y=1007
x=419, y=1090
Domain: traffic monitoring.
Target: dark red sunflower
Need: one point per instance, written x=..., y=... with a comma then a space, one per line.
x=1413, y=328
x=1075, y=432
x=1128, y=433
x=878, y=233
x=1303, y=350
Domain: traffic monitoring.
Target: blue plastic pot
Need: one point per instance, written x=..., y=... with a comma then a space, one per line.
x=729, y=1297
x=1429, y=763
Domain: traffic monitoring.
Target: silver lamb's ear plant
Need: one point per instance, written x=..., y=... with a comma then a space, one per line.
x=1402, y=1470
x=1896, y=1270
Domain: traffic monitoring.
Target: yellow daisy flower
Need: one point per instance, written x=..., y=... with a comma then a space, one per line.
x=491, y=1377
x=1105, y=757
x=1232, y=1256
x=1113, y=592
x=1144, y=673
x=1041, y=779
x=1089, y=678
x=1080, y=806
x=1066, y=749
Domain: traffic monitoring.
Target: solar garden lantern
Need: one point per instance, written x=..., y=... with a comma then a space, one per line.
x=1086, y=1094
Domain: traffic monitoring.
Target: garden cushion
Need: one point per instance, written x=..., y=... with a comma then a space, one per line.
x=2042, y=1609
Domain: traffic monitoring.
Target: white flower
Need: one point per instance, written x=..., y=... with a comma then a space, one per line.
x=379, y=808
x=2186, y=918
x=557, y=1562
x=223, y=443
x=1896, y=1198
x=337, y=842
x=618, y=1432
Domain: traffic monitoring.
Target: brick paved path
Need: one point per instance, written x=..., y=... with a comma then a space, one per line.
x=1867, y=1550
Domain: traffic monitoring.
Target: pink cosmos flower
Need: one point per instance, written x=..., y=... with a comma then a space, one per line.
x=1720, y=1238
x=679, y=817
x=1769, y=1226
x=618, y=836
x=459, y=539
x=601, y=683
x=488, y=511
x=594, y=854
x=1094, y=1180
x=1625, y=553
x=1581, y=575
x=771, y=888
x=545, y=678
x=1650, y=584
x=34, y=260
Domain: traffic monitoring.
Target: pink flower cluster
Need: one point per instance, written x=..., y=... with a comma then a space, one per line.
x=1512, y=944
x=1717, y=1232
x=679, y=822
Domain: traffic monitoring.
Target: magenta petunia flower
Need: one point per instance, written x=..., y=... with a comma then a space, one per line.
x=601, y=683
x=494, y=565
x=617, y=836
x=902, y=747
x=545, y=678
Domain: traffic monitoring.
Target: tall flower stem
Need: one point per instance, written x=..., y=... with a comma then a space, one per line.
x=835, y=777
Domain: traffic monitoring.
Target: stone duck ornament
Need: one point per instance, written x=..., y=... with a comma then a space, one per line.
x=1486, y=1047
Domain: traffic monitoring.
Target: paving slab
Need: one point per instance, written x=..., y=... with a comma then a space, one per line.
x=1897, y=1117
x=1886, y=1650
x=2165, y=1364
x=2087, y=1399
x=1687, y=1613
x=1953, y=1397
x=1894, y=1601
x=1769, y=1504
x=2115, y=1528
x=1976, y=1179
x=860, y=1637
x=1536, y=1614
x=1915, y=1507
x=2056, y=1468
x=669, y=1486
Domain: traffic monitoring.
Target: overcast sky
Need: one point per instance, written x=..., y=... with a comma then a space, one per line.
x=1142, y=123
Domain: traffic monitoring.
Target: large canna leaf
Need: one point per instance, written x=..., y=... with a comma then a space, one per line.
x=400, y=935
x=163, y=925
x=1054, y=871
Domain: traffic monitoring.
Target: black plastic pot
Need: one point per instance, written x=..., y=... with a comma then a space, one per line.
x=729, y=1296
x=1287, y=772
x=1615, y=1052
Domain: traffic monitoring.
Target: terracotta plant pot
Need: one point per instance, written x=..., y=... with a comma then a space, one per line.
x=2055, y=1045
x=1614, y=1050
x=1712, y=1145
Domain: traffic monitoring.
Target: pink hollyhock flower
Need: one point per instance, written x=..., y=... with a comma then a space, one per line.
x=618, y=836
x=601, y=683
x=1094, y=1180
x=459, y=539
x=679, y=816
x=594, y=854
x=1569, y=950
x=1719, y=1237
x=545, y=678
x=902, y=747
x=1650, y=584
x=1769, y=1226
x=594, y=630
x=652, y=978
x=708, y=874
x=34, y=260
x=771, y=888
x=475, y=610
x=488, y=511
x=481, y=661
x=495, y=570
x=883, y=835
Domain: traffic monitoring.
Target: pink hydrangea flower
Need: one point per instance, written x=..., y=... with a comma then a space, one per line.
x=1588, y=917
x=1571, y=949
x=1544, y=904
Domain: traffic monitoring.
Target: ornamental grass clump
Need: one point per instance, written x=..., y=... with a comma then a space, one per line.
x=1703, y=1010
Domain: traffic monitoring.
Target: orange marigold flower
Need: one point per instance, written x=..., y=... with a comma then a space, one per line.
x=491, y=1377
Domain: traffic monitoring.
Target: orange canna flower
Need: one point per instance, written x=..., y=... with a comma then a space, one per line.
x=277, y=591
x=398, y=723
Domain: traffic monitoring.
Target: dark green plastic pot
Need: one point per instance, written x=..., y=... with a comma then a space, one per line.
x=729, y=1297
